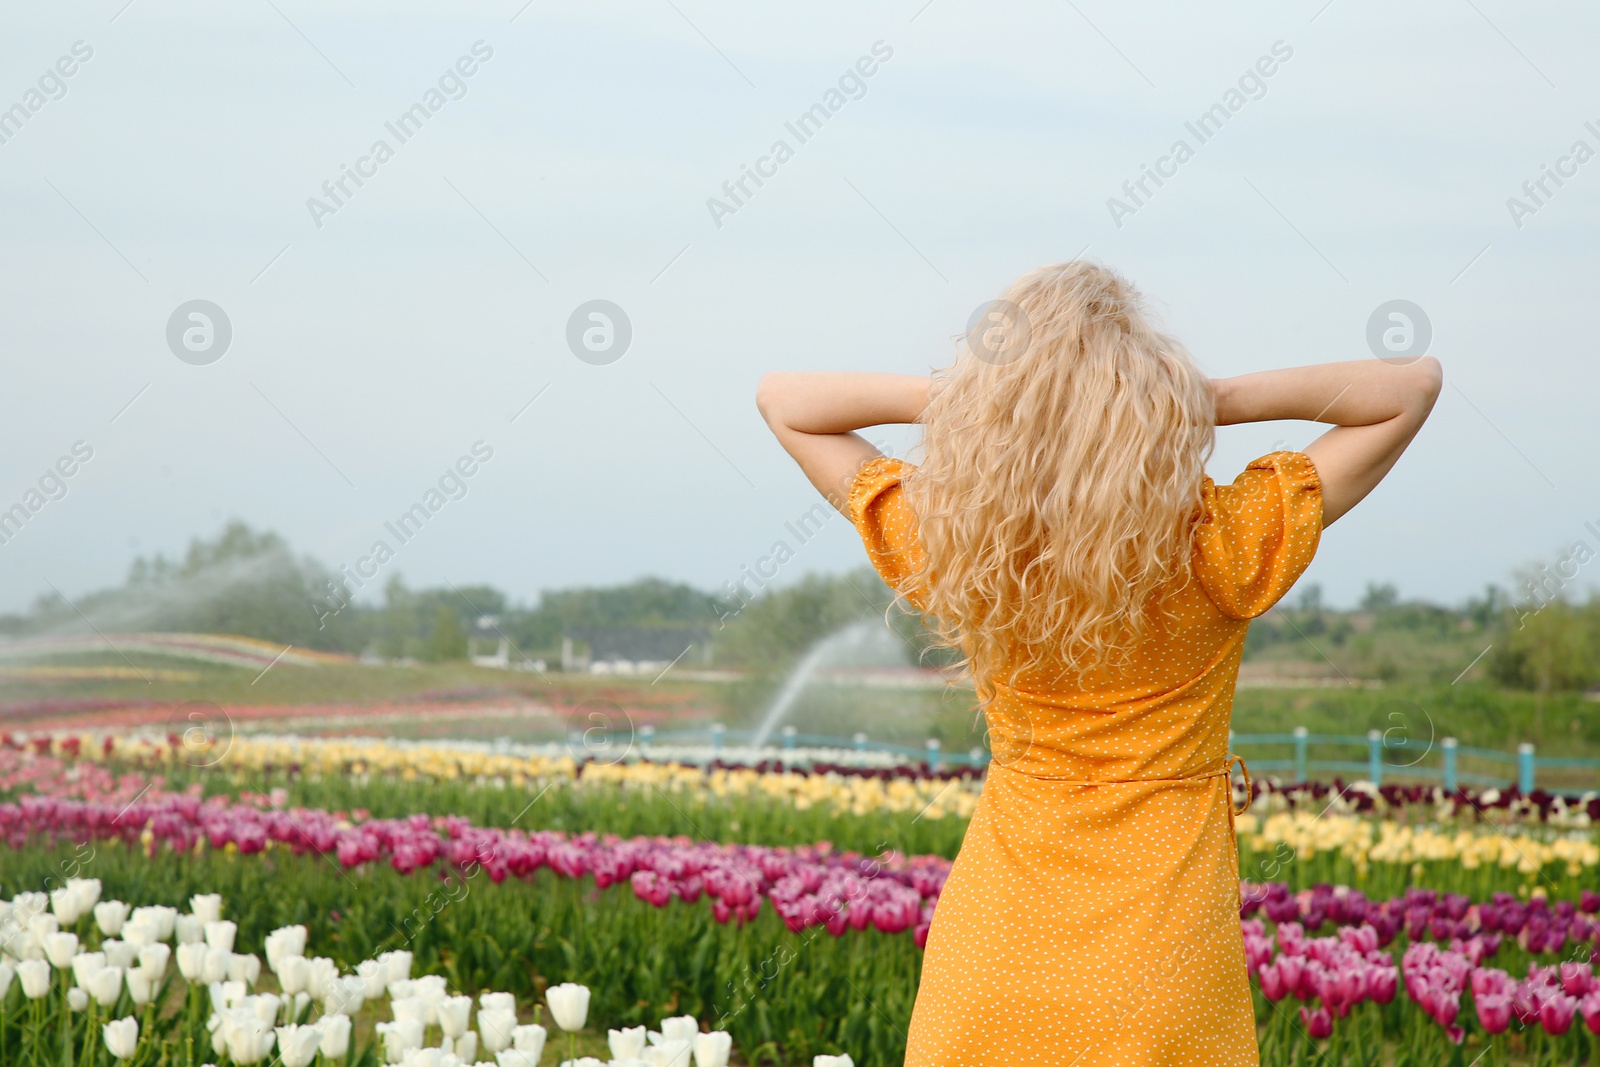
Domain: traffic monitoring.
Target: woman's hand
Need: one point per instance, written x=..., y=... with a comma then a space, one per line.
x=814, y=415
x=1376, y=407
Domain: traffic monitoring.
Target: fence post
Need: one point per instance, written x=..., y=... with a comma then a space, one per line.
x=933, y=753
x=1449, y=744
x=788, y=736
x=1300, y=753
x=717, y=731
x=1375, y=757
x=1525, y=767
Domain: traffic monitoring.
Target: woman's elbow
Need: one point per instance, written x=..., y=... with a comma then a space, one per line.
x=769, y=395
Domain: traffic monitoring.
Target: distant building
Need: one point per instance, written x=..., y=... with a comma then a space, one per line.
x=634, y=649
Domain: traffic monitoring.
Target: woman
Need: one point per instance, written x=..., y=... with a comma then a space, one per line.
x=1061, y=534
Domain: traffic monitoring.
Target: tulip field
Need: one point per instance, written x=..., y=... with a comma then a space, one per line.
x=364, y=902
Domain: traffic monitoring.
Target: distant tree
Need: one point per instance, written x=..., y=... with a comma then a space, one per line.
x=1379, y=598
x=447, y=638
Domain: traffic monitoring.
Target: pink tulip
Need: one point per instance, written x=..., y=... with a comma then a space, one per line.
x=1589, y=1008
x=1318, y=1024
x=1555, y=1014
x=1576, y=979
x=1494, y=1011
x=1273, y=986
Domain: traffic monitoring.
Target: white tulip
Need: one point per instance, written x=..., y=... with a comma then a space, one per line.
x=60, y=947
x=421, y=1057
x=713, y=1049
x=109, y=915
x=346, y=994
x=673, y=1053
x=319, y=979
x=192, y=961
x=263, y=1006
x=42, y=926
x=244, y=968
x=77, y=999
x=215, y=968
x=140, y=930
x=64, y=903
x=284, y=942
x=119, y=953
x=225, y=995
x=398, y=1036
x=86, y=963
x=512, y=1057
x=141, y=987
x=498, y=1001
x=207, y=907
x=35, y=975
x=293, y=973
x=466, y=1046
x=88, y=892
x=569, y=1004
x=410, y=1008
x=297, y=1045
x=627, y=1043
x=105, y=986
x=190, y=929
x=302, y=1001
x=164, y=918
x=581, y=1061
x=153, y=960
x=455, y=1013
x=679, y=1028
x=399, y=964
x=122, y=1037
x=530, y=1039
x=220, y=934
x=496, y=1025
x=832, y=1061
x=249, y=1039
x=335, y=1035
x=374, y=974
x=7, y=973
x=400, y=990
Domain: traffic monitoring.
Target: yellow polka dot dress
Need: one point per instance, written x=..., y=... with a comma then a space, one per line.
x=1092, y=915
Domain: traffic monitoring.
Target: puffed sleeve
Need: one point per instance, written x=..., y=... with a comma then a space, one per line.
x=1258, y=535
x=888, y=528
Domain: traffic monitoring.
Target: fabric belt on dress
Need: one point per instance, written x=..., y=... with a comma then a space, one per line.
x=1225, y=771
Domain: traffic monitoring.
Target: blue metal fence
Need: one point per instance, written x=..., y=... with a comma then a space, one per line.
x=1375, y=749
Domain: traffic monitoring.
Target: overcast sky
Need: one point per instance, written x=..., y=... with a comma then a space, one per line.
x=377, y=337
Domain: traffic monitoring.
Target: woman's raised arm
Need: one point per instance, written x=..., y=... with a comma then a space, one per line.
x=814, y=415
x=1376, y=407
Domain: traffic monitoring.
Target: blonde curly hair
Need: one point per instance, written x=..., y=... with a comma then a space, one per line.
x=1061, y=480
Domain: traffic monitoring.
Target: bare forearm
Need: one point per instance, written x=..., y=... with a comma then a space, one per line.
x=1359, y=393
x=828, y=402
